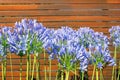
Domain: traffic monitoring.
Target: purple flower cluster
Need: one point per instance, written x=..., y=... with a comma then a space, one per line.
x=100, y=51
x=73, y=48
x=115, y=35
x=84, y=46
x=26, y=37
x=96, y=45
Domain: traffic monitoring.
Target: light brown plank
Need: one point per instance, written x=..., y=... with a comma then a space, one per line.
x=58, y=6
x=59, y=1
x=74, y=25
x=24, y=67
x=61, y=18
x=57, y=13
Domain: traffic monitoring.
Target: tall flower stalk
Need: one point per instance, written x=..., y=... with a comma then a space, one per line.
x=4, y=33
x=20, y=68
x=11, y=65
x=115, y=39
x=118, y=77
x=17, y=45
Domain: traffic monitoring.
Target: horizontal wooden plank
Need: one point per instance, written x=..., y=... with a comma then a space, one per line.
x=58, y=6
x=14, y=56
x=16, y=73
x=24, y=61
x=59, y=1
x=54, y=67
x=62, y=18
x=62, y=12
x=81, y=24
x=41, y=61
x=24, y=67
x=105, y=78
x=24, y=78
x=74, y=25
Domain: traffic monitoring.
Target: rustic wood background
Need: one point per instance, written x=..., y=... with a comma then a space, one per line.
x=97, y=14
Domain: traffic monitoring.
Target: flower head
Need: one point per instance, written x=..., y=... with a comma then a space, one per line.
x=26, y=37
x=115, y=35
x=4, y=33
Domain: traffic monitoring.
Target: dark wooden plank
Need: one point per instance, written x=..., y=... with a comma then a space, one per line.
x=81, y=24
x=61, y=12
x=74, y=25
x=24, y=61
x=24, y=78
x=62, y=18
x=59, y=1
x=14, y=56
x=17, y=74
x=58, y=6
x=24, y=67
x=53, y=73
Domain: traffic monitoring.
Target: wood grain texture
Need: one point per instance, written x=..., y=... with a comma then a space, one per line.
x=61, y=13
x=100, y=15
x=58, y=6
x=59, y=1
x=62, y=19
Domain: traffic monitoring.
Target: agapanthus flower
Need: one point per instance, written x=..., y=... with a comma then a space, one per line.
x=64, y=44
x=100, y=51
x=86, y=36
x=26, y=37
x=4, y=32
x=18, y=43
x=115, y=35
x=96, y=45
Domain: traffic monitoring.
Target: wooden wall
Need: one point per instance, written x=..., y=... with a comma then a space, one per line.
x=97, y=14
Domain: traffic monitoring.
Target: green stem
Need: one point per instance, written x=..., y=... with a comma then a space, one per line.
x=61, y=74
x=56, y=78
x=45, y=64
x=11, y=67
x=119, y=74
x=30, y=65
x=29, y=76
x=2, y=71
x=20, y=68
x=115, y=56
x=82, y=75
x=93, y=74
x=49, y=69
x=44, y=57
x=67, y=75
x=45, y=74
x=118, y=77
x=34, y=62
x=27, y=72
x=38, y=66
x=101, y=75
x=5, y=70
x=37, y=74
x=75, y=72
x=114, y=71
x=96, y=74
